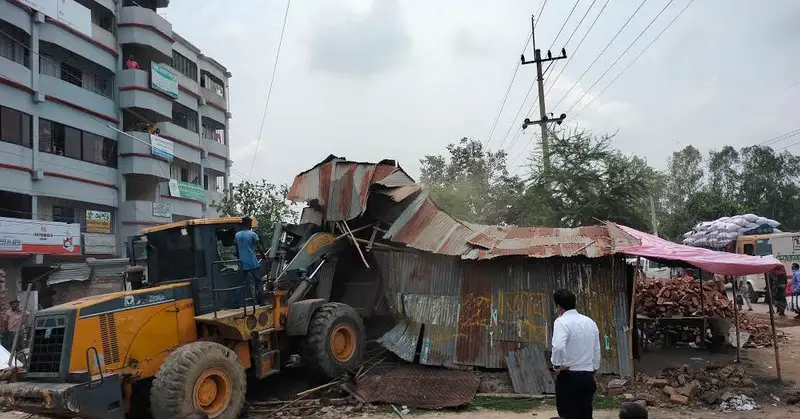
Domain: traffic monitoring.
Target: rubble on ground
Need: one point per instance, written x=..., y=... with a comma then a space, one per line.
x=659, y=298
x=709, y=386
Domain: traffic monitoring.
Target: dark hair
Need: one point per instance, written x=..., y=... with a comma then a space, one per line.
x=247, y=222
x=632, y=411
x=198, y=414
x=565, y=299
x=795, y=266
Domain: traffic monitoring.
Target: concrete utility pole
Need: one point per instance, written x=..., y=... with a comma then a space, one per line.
x=543, y=119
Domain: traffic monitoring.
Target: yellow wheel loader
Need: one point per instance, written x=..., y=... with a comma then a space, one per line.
x=186, y=336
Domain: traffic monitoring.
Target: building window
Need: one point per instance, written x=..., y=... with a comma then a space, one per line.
x=209, y=83
x=12, y=45
x=72, y=143
x=184, y=117
x=15, y=127
x=186, y=66
x=184, y=174
x=63, y=214
x=59, y=139
x=71, y=74
x=205, y=182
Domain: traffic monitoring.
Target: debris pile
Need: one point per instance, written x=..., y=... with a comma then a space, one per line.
x=680, y=297
x=712, y=385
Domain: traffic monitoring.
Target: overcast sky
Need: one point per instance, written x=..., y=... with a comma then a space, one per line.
x=374, y=79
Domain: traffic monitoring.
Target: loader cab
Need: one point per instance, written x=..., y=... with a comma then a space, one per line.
x=201, y=251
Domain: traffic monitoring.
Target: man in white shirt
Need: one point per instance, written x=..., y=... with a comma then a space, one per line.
x=576, y=357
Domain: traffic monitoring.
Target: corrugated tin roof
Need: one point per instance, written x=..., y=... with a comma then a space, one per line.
x=341, y=188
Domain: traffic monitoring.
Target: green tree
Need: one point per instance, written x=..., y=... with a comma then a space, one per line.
x=472, y=184
x=587, y=181
x=261, y=200
x=684, y=177
x=725, y=172
x=769, y=185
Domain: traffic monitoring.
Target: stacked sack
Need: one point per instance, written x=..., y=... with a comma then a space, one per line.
x=720, y=232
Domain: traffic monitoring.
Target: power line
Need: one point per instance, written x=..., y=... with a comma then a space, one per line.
x=635, y=40
x=528, y=39
x=271, y=83
x=635, y=59
x=780, y=137
x=790, y=145
x=585, y=35
x=564, y=24
x=508, y=91
x=601, y=52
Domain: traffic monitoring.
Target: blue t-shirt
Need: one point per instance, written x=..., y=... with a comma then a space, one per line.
x=796, y=281
x=246, y=244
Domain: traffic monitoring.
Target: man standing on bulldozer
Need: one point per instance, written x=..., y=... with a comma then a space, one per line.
x=247, y=243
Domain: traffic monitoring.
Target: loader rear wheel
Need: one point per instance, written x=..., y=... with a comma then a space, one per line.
x=203, y=376
x=335, y=340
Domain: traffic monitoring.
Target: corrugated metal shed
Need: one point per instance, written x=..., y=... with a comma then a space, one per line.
x=70, y=272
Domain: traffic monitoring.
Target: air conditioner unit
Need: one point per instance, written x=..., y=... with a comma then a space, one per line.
x=37, y=174
x=39, y=97
x=38, y=17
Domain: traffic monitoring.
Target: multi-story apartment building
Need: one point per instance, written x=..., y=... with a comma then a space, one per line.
x=79, y=171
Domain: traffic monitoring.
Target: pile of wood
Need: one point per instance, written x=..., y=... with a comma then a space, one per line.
x=680, y=297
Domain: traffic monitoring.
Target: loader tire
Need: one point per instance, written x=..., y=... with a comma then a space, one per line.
x=203, y=376
x=335, y=340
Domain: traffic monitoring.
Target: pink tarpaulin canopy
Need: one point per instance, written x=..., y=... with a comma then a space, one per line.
x=723, y=263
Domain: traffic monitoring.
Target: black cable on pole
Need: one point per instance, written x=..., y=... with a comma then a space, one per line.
x=635, y=40
x=269, y=90
x=572, y=55
x=601, y=53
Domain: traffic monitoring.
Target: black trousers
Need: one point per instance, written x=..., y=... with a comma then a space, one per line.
x=574, y=394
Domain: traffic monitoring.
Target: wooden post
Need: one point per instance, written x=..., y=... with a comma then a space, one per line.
x=772, y=323
x=22, y=323
x=702, y=309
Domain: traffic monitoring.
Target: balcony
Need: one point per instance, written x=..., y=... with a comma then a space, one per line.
x=88, y=96
x=186, y=143
x=103, y=36
x=213, y=99
x=183, y=206
x=136, y=157
x=215, y=163
x=135, y=92
x=215, y=148
x=15, y=15
x=141, y=26
x=140, y=213
x=209, y=111
x=16, y=72
x=94, y=50
x=76, y=180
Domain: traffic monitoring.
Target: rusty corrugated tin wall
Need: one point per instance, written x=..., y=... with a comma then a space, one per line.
x=472, y=313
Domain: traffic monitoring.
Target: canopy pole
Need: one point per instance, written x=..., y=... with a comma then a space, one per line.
x=702, y=309
x=736, y=316
x=772, y=322
x=632, y=320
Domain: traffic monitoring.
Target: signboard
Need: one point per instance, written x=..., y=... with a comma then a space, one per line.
x=796, y=243
x=98, y=222
x=99, y=244
x=161, y=147
x=163, y=80
x=187, y=190
x=21, y=236
x=76, y=16
x=162, y=209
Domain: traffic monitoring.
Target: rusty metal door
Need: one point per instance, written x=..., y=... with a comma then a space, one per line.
x=475, y=315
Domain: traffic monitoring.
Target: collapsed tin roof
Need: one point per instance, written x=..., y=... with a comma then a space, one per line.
x=341, y=190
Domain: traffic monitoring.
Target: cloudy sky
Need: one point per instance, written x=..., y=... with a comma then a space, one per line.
x=373, y=79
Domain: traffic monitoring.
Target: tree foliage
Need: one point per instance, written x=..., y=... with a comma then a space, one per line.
x=471, y=183
x=587, y=181
x=261, y=200
x=754, y=179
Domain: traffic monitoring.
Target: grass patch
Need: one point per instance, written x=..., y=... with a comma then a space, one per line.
x=507, y=404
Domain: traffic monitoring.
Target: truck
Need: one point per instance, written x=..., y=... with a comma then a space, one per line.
x=187, y=335
x=783, y=246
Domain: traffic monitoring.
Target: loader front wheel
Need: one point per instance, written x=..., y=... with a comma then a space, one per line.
x=335, y=340
x=200, y=376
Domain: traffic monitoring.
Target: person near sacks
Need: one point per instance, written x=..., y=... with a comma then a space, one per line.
x=575, y=357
